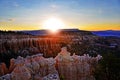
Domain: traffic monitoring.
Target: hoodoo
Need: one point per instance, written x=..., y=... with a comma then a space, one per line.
x=64, y=66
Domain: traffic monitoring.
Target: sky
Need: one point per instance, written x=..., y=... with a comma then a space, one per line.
x=83, y=14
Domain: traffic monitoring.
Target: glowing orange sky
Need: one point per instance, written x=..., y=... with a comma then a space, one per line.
x=91, y=27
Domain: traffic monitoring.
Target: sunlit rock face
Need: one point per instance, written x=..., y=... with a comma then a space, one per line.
x=21, y=73
x=75, y=67
x=33, y=67
x=64, y=67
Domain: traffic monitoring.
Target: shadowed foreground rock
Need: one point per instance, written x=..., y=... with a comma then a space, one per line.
x=63, y=66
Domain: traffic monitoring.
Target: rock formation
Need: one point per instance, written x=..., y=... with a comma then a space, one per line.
x=64, y=66
x=33, y=67
x=3, y=69
x=75, y=67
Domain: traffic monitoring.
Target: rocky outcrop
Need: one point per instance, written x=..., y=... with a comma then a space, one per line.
x=63, y=67
x=3, y=69
x=33, y=67
x=48, y=45
x=75, y=67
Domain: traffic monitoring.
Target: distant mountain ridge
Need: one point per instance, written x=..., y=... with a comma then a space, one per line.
x=107, y=33
x=46, y=32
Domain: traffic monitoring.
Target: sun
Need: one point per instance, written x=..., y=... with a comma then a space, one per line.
x=53, y=24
